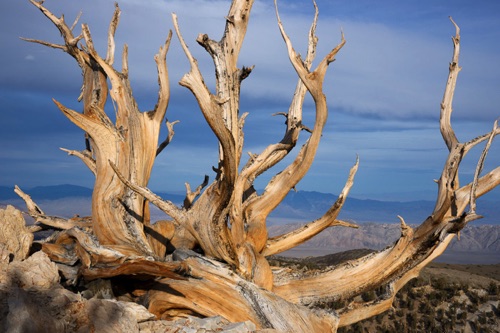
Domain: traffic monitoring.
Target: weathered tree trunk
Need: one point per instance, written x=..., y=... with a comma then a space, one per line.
x=225, y=220
x=130, y=144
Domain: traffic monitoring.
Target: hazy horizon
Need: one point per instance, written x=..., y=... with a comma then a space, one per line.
x=302, y=206
x=384, y=90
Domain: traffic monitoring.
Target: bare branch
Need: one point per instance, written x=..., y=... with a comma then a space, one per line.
x=477, y=140
x=258, y=208
x=144, y=267
x=52, y=221
x=110, y=56
x=479, y=169
x=30, y=204
x=92, y=252
x=284, y=114
x=171, y=133
x=117, y=89
x=75, y=22
x=192, y=60
x=44, y=43
x=356, y=312
x=66, y=32
x=85, y=156
x=101, y=132
x=58, y=22
x=125, y=60
x=64, y=224
x=314, y=86
x=446, y=105
x=449, y=181
x=293, y=117
x=190, y=196
x=168, y=207
x=210, y=106
x=483, y=185
x=300, y=65
x=163, y=82
x=87, y=37
x=313, y=39
x=406, y=230
x=329, y=219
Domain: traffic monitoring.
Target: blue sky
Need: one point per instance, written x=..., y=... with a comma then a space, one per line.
x=384, y=90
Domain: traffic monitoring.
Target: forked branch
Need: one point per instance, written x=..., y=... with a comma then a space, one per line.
x=171, y=133
x=191, y=195
x=51, y=221
x=85, y=156
x=281, y=184
x=226, y=220
x=168, y=207
x=394, y=266
x=329, y=219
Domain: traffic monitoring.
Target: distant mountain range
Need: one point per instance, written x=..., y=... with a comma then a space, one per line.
x=47, y=192
x=56, y=192
x=379, y=225
x=478, y=244
x=301, y=206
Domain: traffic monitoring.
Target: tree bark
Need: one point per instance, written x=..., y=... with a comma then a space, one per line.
x=131, y=143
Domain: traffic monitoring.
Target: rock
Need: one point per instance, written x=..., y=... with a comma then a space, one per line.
x=32, y=312
x=5, y=258
x=99, y=288
x=32, y=300
x=59, y=310
x=240, y=327
x=197, y=325
x=30, y=296
x=14, y=235
x=134, y=310
x=5, y=255
x=37, y=272
x=108, y=317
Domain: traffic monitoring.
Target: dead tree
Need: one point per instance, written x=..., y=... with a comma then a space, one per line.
x=225, y=221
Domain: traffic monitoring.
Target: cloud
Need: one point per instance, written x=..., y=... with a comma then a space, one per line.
x=383, y=91
x=384, y=70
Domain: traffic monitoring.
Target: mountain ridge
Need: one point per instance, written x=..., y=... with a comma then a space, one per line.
x=379, y=226
x=478, y=244
x=297, y=206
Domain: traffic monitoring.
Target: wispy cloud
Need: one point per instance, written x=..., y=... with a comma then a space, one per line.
x=384, y=90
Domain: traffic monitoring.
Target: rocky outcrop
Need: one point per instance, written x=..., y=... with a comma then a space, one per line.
x=33, y=300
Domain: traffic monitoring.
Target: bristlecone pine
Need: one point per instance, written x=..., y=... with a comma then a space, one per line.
x=209, y=257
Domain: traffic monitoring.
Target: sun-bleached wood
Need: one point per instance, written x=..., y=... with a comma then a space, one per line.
x=224, y=221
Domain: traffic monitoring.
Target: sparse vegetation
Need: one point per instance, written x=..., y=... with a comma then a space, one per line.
x=493, y=288
x=430, y=302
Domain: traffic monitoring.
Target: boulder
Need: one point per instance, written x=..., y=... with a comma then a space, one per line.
x=14, y=236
